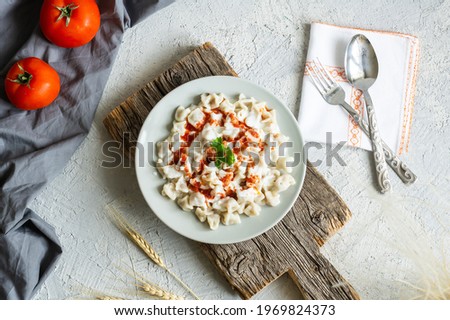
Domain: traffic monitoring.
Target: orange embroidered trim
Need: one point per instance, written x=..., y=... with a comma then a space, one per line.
x=409, y=97
x=405, y=101
x=337, y=73
x=413, y=95
x=354, y=132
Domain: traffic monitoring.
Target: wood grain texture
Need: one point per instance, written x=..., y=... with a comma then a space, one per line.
x=293, y=244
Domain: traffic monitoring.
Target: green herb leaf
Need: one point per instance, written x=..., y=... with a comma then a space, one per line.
x=217, y=143
x=223, y=155
x=229, y=159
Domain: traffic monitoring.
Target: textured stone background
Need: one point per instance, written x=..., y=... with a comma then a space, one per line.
x=390, y=239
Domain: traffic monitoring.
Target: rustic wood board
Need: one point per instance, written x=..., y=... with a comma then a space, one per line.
x=293, y=245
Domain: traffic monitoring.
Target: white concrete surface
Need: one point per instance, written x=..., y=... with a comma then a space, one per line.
x=389, y=239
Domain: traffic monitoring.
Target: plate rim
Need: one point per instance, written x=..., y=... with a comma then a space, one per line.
x=302, y=162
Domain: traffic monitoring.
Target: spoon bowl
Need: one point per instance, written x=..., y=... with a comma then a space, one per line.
x=361, y=63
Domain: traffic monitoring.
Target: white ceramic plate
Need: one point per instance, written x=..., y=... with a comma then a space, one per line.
x=157, y=127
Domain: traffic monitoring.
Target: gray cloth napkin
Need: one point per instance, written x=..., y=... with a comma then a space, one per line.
x=35, y=145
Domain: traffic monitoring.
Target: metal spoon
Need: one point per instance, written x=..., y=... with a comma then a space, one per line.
x=361, y=69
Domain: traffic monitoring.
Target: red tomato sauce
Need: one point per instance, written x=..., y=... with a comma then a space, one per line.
x=240, y=143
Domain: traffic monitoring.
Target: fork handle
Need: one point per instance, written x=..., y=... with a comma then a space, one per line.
x=399, y=167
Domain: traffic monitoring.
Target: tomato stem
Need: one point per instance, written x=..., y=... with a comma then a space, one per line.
x=22, y=78
x=66, y=12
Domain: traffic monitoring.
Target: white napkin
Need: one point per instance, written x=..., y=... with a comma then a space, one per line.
x=392, y=93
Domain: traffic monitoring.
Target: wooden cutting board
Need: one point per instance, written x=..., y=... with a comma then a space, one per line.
x=293, y=245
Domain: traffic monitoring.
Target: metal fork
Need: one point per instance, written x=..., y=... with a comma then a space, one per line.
x=335, y=95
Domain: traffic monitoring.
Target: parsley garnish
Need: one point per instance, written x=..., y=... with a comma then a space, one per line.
x=223, y=154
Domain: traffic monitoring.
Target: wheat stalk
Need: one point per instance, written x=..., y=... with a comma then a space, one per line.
x=108, y=298
x=145, y=246
x=140, y=241
x=150, y=288
x=155, y=291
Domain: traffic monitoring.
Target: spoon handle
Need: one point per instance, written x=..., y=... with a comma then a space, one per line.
x=399, y=167
x=378, y=153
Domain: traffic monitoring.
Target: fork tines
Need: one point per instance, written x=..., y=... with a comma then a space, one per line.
x=320, y=76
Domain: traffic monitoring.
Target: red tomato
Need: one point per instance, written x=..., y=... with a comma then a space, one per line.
x=70, y=23
x=31, y=84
